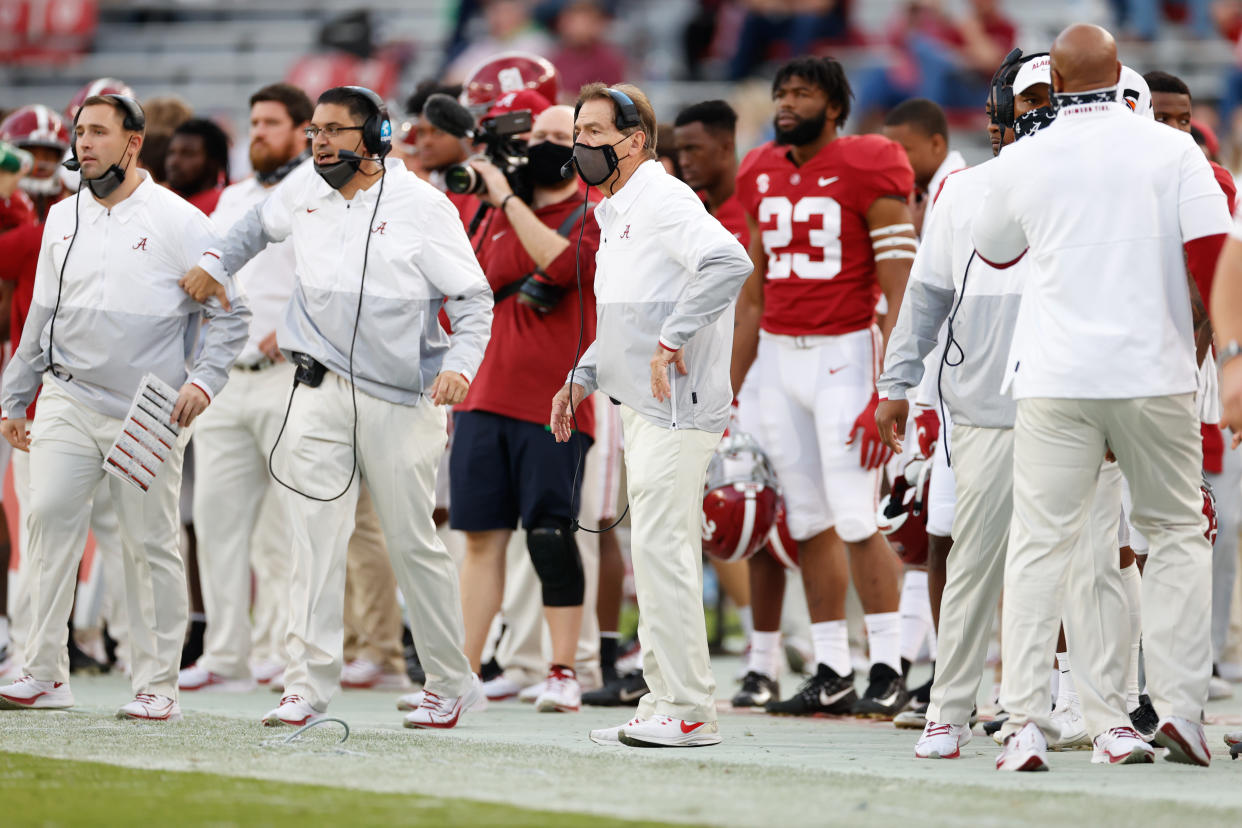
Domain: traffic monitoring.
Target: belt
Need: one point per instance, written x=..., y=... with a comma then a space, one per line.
x=255, y=367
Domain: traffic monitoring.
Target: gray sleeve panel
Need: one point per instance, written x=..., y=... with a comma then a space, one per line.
x=714, y=288
x=24, y=372
x=224, y=336
x=923, y=311
x=586, y=372
x=244, y=240
x=471, y=318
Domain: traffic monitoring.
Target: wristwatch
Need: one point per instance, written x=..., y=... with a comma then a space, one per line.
x=1231, y=350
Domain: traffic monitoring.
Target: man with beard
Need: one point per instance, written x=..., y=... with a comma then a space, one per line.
x=197, y=163
x=233, y=439
x=830, y=230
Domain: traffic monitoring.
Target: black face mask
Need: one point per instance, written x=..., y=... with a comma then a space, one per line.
x=547, y=159
x=107, y=182
x=596, y=164
x=338, y=173
x=1032, y=122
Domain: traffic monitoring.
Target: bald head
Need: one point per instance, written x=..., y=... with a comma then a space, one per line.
x=1084, y=57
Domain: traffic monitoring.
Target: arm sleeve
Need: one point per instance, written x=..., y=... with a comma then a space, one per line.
x=585, y=372
x=927, y=303
x=25, y=370
x=997, y=236
x=268, y=222
x=1202, y=209
x=448, y=262
x=226, y=332
x=718, y=265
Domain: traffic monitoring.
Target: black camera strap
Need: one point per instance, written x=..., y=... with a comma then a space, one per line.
x=566, y=226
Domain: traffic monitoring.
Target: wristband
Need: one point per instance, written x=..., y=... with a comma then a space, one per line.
x=505, y=201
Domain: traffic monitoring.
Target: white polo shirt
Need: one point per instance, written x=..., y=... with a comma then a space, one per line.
x=1104, y=201
x=268, y=279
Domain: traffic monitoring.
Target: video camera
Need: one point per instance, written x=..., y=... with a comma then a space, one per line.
x=503, y=149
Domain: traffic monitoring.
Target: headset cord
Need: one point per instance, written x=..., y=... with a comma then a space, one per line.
x=573, y=414
x=60, y=284
x=353, y=390
x=951, y=342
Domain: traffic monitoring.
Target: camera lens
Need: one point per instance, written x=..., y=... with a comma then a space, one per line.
x=462, y=179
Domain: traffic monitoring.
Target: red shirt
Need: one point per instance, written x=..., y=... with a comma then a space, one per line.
x=206, y=200
x=733, y=216
x=813, y=220
x=17, y=210
x=530, y=353
x=1227, y=185
x=19, y=257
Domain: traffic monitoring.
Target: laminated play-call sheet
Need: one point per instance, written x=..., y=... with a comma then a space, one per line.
x=148, y=435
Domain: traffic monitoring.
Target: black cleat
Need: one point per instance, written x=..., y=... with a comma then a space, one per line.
x=81, y=663
x=825, y=692
x=624, y=691
x=757, y=690
x=886, y=694
x=413, y=666
x=1145, y=719
x=992, y=727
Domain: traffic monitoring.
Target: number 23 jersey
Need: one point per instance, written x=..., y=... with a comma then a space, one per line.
x=813, y=223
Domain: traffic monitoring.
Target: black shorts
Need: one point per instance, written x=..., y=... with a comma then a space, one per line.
x=502, y=470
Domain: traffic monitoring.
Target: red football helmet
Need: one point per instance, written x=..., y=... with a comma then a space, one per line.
x=37, y=126
x=902, y=516
x=99, y=86
x=509, y=72
x=739, y=504
x=781, y=544
x=1209, y=510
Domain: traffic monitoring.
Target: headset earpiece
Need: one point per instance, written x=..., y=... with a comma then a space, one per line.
x=377, y=129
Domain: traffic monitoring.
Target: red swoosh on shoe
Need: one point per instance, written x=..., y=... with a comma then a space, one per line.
x=686, y=727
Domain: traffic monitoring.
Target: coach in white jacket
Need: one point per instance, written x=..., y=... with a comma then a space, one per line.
x=106, y=311
x=1103, y=358
x=378, y=251
x=666, y=277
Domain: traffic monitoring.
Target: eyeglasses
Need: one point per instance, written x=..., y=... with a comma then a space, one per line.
x=331, y=130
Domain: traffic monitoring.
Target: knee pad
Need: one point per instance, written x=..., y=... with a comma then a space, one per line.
x=554, y=554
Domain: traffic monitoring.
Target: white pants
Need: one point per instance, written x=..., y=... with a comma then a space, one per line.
x=942, y=490
x=68, y=444
x=233, y=439
x=1228, y=489
x=1157, y=443
x=399, y=449
x=665, y=471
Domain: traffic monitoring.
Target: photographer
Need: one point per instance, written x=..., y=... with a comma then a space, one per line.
x=505, y=465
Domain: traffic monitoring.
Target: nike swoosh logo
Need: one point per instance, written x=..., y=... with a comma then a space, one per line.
x=824, y=182
x=311, y=210
x=825, y=699
x=889, y=700
x=68, y=237
x=498, y=235
x=631, y=695
x=686, y=727
x=835, y=370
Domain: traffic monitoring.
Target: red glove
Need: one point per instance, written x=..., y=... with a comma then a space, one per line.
x=1213, y=448
x=733, y=427
x=873, y=452
x=927, y=430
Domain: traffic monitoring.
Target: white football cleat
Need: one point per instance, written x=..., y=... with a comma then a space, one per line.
x=29, y=693
x=361, y=674
x=413, y=701
x=612, y=735
x=1218, y=688
x=194, y=678
x=1185, y=741
x=1122, y=746
x=500, y=688
x=530, y=694
x=1025, y=750
x=441, y=712
x=563, y=694
x=266, y=671
x=1073, y=727
x=293, y=710
x=149, y=707
x=665, y=731
x=942, y=741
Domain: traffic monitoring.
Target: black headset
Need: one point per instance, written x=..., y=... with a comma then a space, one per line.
x=133, y=119
x=627, y=113
x=377, y=129
x=1002, y=86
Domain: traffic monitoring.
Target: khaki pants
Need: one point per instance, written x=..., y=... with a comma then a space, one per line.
x=398, y=450
x=68, y=445
x=234, y=438
x=1056, y=443
x=372, y=612
x=665, y=469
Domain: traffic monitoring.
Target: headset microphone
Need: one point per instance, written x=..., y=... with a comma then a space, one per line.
x=71, y=164
x=567, y=169
x=346, y=155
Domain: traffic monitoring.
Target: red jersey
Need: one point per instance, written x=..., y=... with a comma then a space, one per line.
x=813, y=221
x=206, y=200
x=733, y=216
x=19, y=257
x=1227, y=185
x=17, y=210
x=530, y=353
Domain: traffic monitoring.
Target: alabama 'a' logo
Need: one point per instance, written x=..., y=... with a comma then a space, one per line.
x=380, y=228
x=625, y=234
x=141, y=245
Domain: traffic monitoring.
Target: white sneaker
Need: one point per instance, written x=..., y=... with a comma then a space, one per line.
x=562, y=693
x=152, y=708
x=361, y=674
x=500, y=688
x=1185, y=741
x=440, y=712
x=1073, y=730
x=266, y=671
x=1230, y=671
x=1121, y=746
x=1024, y=750
x=529, y=694
x=413, y=701
x=1218, y=688
x=665, y=731
x=196, y=678
x=942, y=741
x=29, y=693
x=293, y=710
x=612, y=735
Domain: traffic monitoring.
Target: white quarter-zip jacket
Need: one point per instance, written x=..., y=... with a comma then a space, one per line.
x=122, y=312
x=418, y=259
x=667, y=273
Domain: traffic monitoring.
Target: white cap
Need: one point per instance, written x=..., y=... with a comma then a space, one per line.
x=1035, y=70
x=1134, y=92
